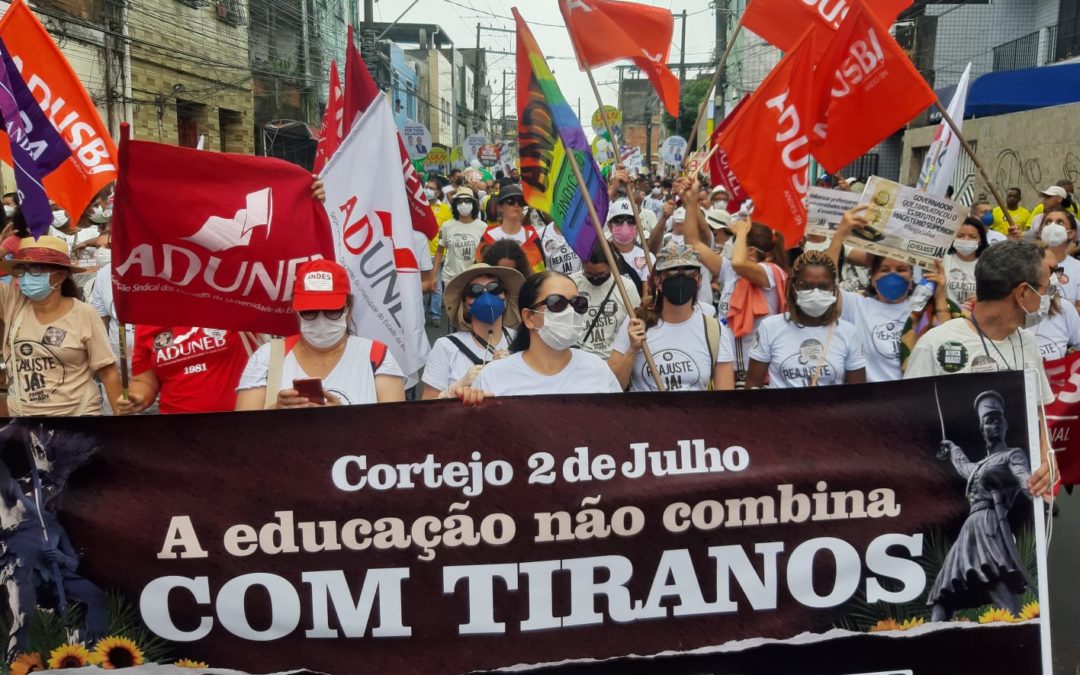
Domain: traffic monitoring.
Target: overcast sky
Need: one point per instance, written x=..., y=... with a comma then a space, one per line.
x=459, y=18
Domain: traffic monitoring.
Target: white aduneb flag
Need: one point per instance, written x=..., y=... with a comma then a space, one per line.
x=373, y=236
x=940, y=163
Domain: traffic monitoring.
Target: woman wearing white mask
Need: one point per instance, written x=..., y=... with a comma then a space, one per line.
x=1058, y=232
x=324, y=365
x=459, y=236
x=1059, y=332
x=541, y=360
x=810, y=345
x=960, y=263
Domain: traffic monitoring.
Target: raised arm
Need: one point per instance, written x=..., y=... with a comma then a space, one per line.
x=855, y=218
x=692, y=228
x=740, y=256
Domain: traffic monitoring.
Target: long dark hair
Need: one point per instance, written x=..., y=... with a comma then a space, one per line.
x=476, y=207
x=981, y=229
x=528, y=296
x=767, y=241
x=876, y=262
x=510, y=249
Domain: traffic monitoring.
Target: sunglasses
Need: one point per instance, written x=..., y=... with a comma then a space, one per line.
x=622, y=220
x=514, y=201
x=332, y=314
x=557, y=303
x=33, y=268
x=475, y=290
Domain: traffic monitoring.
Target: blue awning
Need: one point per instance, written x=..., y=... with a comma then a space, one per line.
x=1028, y=89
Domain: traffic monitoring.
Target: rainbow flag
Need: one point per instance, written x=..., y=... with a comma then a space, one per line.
x=548, y=135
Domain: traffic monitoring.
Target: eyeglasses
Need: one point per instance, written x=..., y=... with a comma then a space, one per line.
x=557, y=303
x=33, y=268
x=493, y=287
x=332, y=314
x=622, y=220
x=514, y=201
x=807, y=286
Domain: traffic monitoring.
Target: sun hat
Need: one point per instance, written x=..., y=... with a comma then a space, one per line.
x=676, y=255
x=454, y=294
x=464, y=193
x=320, y=285
x=47, y=250
x=718, y=219
x=717, y=190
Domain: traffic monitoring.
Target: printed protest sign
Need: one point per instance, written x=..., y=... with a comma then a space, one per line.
x=438, y=160
x=471, y=147
x=673, y=150
x=614, y=118
x=825, y=208
x=417, y=140
x=906, y=223
x=488, y=154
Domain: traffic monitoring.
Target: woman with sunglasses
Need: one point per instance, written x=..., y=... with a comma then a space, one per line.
x=624, y=234
x=690, y=349
x=810, y=345
x=542, y=360
x=512, y=226
x=323, y=365
x=481, y=303
x=54, y=343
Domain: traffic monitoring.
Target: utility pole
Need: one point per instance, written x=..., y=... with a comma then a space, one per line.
x=682, y=74
x=719, y=105
x=479, y=75
x=502, y=124
x=369, y=15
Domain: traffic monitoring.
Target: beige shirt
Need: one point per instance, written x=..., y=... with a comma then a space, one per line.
x=51, y=367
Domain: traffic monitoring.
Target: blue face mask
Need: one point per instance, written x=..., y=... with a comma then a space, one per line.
x=487, y=307
x=988, y=218
x=892, y=287
x=35, y=286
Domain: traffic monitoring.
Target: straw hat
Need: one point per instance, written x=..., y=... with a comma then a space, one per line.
x=454, y=295
x=47, y=250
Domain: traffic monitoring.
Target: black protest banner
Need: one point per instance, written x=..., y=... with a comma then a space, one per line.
x=824, y=531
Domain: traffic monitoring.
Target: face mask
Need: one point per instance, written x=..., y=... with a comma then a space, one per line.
x=623, y=234
x=103, y=256
x=720, y=204
x=60, y=219
x=1032, y=319
x=465, y=208
x=323, y=332
x=430, y=194
x=729, y=248
x=1054, y=234
x=9, y=211
x=598, y=281
x=966, y=246
x=680, y=289
x=486, y=308
x=892, y=287
x=656, y=193
x=988, y=218
x=816, y=245
x=562, y=330
x=35, y=286
x=815, y=302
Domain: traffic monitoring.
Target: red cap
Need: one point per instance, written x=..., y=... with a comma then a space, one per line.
x=320, y=285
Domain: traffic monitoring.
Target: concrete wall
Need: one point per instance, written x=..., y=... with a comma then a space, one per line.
x=1029, y=150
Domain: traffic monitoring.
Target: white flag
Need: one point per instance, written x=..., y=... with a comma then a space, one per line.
x=940, y=163
x=373, y=236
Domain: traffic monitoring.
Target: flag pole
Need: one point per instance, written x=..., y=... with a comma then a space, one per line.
x=125, y=137
x=617, y=145
x=715, y=80
x=611, y=260
x=978, y=165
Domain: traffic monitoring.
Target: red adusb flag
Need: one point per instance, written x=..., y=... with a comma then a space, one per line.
x=333, y=122
x=782, y=22
x=360, y=91
x=868, y=89
x=767, y=144
x=604, y=31
x=220, y=253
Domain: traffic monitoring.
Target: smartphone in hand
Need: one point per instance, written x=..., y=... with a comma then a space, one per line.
x=311, y=389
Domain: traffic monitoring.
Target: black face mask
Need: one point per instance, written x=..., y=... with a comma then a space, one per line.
x=598, y=281
x=679, y=290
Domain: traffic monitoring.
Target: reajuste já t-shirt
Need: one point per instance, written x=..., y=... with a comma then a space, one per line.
x=960, y=279
x=606, y=302
x=557, y=252
x=459, y=241
x=879, y=325
x=794, y=352
x=585, y=374
x=1057, y=332
x=680, y=351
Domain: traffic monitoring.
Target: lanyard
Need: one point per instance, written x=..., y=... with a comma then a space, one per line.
x=983, y=338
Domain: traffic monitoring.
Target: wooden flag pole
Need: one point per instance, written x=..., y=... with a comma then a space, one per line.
x=125, y=137
x=978, y=165
x=629, y=188
x=712, y=86
x=611, y=260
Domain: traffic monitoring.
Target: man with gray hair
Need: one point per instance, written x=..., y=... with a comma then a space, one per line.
x=1012, y=289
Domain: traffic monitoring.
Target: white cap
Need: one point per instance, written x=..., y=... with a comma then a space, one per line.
x=717, y=190
x=618, y=208
x=1055, y=191
x=718, y=219
x=679, y=215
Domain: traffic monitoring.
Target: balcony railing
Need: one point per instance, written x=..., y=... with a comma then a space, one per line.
x=1029, y=51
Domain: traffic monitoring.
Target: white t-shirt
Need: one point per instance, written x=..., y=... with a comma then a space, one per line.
x=635, y=258
x=557, y=252
x=728, y=278
x=606, y=301
x=993, y=237
x=960, y=278
x=1070, y=279
x=446, y=363
x=422, y=248
x=459, y=241
x=793, y=352
x=653, y=205
x=680, y=351
x=351, y=380
x=879, y=326
x=956, y=347
x=585, y=374
x=1056, y=333
x=101, y=298
x=648, y=220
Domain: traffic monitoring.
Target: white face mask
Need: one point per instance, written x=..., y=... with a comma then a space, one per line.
x=1032, y=319
x=465, y=208
x=720, y=204
x=816, y=245
x=1054, y=234
x=323, y=332
x=966, y=246
x=729, y=248
x=103, y=256
x=815, y=302
x=60, y=219
x=430, y=194
x=562, y=330
x=9, y=211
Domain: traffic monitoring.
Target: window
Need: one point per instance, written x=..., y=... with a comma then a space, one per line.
x=230, y=11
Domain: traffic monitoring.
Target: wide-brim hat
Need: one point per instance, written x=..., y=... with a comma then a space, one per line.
x=454, y=294
x=45, y=250
x=463, y=193
x=718, y=219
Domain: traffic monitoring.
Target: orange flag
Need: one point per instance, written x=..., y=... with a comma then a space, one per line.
x=767, y=142
x=604, y=31
x=782, y=22
x=868, y=87
x=65, y=101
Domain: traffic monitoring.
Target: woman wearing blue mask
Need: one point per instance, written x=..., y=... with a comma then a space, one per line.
x=481, y=304
x=55, y=344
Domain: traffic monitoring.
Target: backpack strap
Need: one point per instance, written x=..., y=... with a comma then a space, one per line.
x=279, y=347
x=465, y=350
x=712, y=337
x=378, y=355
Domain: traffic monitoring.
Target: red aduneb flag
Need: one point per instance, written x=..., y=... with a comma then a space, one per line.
x=222, y=252
x=333, y=123
x=868, y=89
x=360, y=91
x=782, y=22
x=767, y=144
x=604, y=31
x=65, y=101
